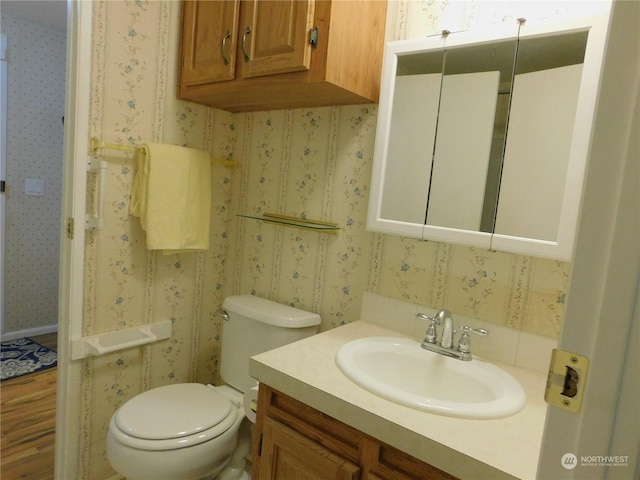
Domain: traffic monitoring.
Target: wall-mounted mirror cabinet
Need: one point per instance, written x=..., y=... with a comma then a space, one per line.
x=483, y=139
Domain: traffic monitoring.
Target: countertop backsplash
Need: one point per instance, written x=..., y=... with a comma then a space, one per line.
x=503, y=344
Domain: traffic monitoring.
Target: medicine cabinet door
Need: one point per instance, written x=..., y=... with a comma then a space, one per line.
x=548, y=140
x=405, y=136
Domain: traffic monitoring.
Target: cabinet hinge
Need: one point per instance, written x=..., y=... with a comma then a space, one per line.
x=70, y=228
x=260, y=445
x=566, y=380
x=313, y=36
x=3, y=186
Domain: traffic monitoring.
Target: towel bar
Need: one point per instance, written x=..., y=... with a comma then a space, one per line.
x=95, y=221
x=119, y=340
x=96, y=145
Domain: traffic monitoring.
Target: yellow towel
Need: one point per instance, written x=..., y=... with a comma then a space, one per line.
x=172, y=196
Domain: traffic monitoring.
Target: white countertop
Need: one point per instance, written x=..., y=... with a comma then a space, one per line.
x=469, y=449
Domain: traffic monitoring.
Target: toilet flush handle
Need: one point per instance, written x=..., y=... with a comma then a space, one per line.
x=222, y=313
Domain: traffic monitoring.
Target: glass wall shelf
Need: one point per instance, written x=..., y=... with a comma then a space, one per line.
x=297, y=222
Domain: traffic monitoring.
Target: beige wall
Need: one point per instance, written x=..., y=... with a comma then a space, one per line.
x=36, y=78
x=135, y=50
x=313, y=162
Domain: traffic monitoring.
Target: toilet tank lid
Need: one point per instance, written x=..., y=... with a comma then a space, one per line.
x=269, y=312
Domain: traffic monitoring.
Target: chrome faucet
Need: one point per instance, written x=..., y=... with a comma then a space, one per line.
x=445, y=318
x=445, y=345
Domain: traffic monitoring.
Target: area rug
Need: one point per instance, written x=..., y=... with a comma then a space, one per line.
x=23, y=356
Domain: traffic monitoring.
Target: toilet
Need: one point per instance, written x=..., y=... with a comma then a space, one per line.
x=192, y=431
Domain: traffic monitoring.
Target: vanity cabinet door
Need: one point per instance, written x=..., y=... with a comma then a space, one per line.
x=392, y=464
x=287, y=455
x=209, y=32
x=292, y=440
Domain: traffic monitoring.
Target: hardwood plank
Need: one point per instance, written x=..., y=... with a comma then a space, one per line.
x=27, y=422
x=48, y=340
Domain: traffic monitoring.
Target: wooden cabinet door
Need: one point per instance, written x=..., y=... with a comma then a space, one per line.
x=288, y=455
x=209, y=41
x=274, y=37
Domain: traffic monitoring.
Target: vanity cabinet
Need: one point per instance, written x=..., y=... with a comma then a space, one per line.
x=483, y=138
x=293, y=440
x=247, y=55
x=292, y=455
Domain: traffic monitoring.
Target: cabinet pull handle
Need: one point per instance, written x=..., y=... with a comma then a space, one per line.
x=227, y=36
x=247, y=31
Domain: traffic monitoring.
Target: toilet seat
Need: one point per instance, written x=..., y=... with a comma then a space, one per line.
x=173, y=416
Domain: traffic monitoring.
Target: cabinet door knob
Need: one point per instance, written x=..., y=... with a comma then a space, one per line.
x=226, y=37
x=247, y=31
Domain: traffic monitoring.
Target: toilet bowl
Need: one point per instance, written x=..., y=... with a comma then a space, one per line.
x=191, y=431
x=185, y=431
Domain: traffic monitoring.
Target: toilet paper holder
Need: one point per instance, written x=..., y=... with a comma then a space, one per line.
x=250, y=403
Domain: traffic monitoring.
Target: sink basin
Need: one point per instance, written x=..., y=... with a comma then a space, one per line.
x=401, y=371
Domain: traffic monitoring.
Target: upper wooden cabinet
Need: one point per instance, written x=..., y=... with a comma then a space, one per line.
x=209, y=37
x=275, y=37
x=246, y=55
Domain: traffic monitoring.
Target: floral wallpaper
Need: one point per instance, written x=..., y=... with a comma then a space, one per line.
x=315, y=163
x=135, y=52
x=36, y=86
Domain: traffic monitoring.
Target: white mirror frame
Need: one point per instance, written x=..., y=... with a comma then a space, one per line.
x=375, y=221
x=562, y=248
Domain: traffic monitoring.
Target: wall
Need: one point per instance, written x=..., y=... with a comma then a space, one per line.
x=135, y=51
x=312, y=162
x=36, y=73
x=317, y=163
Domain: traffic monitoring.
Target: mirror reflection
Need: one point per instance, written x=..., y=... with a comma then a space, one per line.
x=412, y=135
x=471, y=132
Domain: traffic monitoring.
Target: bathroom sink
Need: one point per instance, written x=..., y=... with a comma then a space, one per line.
x=401, y=371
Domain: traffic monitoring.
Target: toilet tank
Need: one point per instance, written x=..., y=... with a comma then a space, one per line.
x=256, y=325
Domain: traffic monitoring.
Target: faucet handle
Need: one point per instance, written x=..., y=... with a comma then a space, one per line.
x=464, y=344
x=478, y=331
x=432, y=332
x=424, y=316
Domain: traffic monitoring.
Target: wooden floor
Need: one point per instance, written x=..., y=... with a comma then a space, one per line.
x=28, y=420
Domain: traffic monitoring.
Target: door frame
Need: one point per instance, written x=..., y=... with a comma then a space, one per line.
x=603, y=292
x=4, y=96
x=70, y=309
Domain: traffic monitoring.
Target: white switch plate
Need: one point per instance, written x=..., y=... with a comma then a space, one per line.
x=34, y=186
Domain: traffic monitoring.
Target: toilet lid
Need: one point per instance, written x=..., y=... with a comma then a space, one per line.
x=172, y=411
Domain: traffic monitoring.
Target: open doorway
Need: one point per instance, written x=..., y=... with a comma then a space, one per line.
x=32, y=153
x=32, y=90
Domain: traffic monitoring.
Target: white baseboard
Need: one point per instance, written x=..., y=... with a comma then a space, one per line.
x=29, y=332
